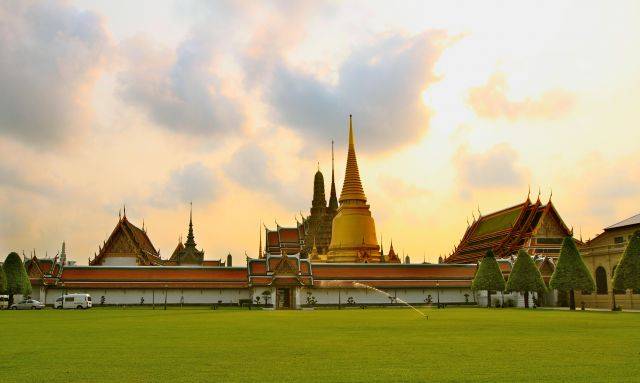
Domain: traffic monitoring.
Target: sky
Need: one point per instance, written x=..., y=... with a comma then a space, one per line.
x=458, y=107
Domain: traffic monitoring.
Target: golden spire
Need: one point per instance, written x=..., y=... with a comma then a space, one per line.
x=352, y=186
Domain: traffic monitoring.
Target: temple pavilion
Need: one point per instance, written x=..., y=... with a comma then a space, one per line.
x=532, y=226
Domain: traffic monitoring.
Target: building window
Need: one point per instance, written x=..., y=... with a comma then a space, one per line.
x=601, y=280
x=618, y=240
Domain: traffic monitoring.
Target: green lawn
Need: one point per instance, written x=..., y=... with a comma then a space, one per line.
x=372, y=345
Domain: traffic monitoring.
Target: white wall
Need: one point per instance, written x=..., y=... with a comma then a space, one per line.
x=366, y=296
x=550, y=298
x=119, y=261
x=174, y=296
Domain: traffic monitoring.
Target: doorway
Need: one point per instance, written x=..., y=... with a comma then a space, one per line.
x=283, y=298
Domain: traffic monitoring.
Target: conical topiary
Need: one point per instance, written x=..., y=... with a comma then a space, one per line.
x=525, y=277
x=488, y=277
x=17, y=279
x=627, y=274
x=3, y=281
x=571, y=273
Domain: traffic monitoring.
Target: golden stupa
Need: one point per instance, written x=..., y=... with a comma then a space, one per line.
x=353, y=233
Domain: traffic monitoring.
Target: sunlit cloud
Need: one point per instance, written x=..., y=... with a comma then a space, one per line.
x=491, y=101
x=495, y=169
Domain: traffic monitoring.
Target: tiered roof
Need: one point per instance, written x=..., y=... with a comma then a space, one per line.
x=287, y=239
x=135, y=240
x=506, y=231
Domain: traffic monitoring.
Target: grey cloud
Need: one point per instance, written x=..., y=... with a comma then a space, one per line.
x=179, y=90
x=380, y=84
x=50, y=56
x=193, y=182
x=250, y=167
x=495, y=168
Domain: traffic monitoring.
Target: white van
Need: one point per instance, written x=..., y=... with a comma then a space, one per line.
x=73, y=301
x=4, y=302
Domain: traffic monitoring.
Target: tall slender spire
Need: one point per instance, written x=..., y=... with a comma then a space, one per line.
x=259, y=240
x=63, y=253
x=352, y=186
x=190, y=238
x=333, y=199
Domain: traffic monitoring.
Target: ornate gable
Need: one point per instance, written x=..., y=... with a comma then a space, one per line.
x=284, y=267
x=550, y=224
x=127, y=241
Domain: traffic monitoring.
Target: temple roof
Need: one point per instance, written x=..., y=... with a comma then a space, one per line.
x=635, y=220
x=504, y=231
x=138, y=238
x=352, y=186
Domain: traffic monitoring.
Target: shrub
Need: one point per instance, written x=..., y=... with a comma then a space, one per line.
x=571, y=273
x=525, y=277
x=17, y=278
x=488, y=277
x=627, y=273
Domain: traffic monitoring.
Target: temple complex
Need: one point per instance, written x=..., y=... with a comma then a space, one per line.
x=532, y=226
x=330, y=257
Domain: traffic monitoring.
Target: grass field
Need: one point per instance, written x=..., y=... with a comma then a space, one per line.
x=372, y=345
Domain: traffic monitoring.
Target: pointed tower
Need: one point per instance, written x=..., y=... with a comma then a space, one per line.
x=319, y=203
x=63, y=254
x=333, y=199
x=190, y=255
x=353, y=235
x=393, y=257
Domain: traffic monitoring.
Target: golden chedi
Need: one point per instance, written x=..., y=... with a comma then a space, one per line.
x=353, y=234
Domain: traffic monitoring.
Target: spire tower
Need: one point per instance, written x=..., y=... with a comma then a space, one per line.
x=353, y=233
x=352, y=186
x=190, y=238
x=333, y=199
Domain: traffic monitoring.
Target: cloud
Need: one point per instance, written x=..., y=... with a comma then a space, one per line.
x=490, y=101
x=194, y=182
x=251, y=168
x=609, y=189
x=497, y=168
x=381, y=84
x=50, y=57
x=180, y=90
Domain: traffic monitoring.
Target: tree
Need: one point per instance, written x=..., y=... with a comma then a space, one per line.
x=525, y=277
x=17, y=278
x=3, y=281
x=627, y=273
x=488, y=277
x=571, y=273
